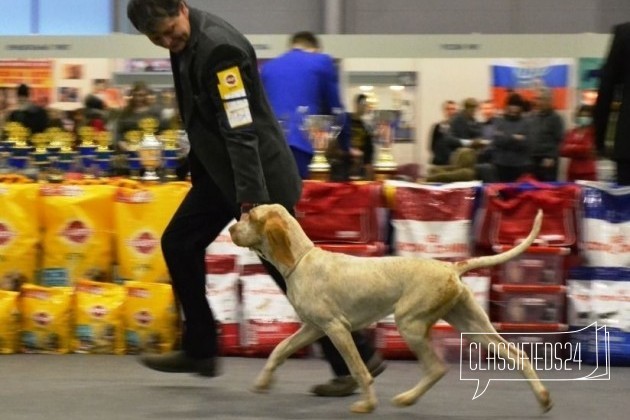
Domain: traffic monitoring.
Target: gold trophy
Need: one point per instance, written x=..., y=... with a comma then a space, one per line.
x=321, y=129
x=149, y=149
x=385, y=166
x=133, y=138
x=171, y=153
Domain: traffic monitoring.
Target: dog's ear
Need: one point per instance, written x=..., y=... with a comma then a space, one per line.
x=276, y=232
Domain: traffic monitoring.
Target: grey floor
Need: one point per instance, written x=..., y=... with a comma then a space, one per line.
x=116, y=387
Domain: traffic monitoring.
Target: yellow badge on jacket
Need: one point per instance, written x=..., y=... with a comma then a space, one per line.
x=232, y=92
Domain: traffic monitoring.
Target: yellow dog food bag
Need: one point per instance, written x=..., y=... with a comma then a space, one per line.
x=78, y=233
x=150, y=318
x=19, y=234
x=9, y=321
x=46, y=314
x=141, y=215
x=98, y=318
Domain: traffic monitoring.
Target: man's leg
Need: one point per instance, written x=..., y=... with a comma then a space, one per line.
x=200, y=218
x=623, y=171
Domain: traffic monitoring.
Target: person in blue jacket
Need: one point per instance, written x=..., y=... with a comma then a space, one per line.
x=301, y=81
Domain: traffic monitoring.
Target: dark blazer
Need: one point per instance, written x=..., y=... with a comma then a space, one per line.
x=615, y=75
x=244, y=151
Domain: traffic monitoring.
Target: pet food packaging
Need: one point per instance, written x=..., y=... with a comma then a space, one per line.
x=150, y=318
x=20, y=226
x=9, y=321
x=141, y=215
x=98, y=318
x=222, y=292
x=78, y=233
x=605, y=225
x=268, y=317
x=433, y=221
x=46, y=314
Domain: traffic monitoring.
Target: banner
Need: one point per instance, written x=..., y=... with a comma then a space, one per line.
x=37, y=74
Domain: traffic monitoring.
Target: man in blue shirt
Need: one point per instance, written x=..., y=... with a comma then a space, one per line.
x=299, y=82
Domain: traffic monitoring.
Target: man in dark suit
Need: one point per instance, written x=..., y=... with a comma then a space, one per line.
x=301, y=81
x=615, y=87
x=238, y=158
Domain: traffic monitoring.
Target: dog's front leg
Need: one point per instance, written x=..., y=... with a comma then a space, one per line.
x=301, y=338
x=342, y=339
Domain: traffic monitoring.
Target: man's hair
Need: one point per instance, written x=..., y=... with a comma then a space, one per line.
x=306, y=39
x=23, y=91
x=360, y=98
x=145, y=15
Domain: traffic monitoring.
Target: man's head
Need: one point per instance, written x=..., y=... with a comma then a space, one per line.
x=362, y=106
x=449, y=108
x=23, y=91
x=470, y=106
x=488, y=110
x=306, y=41
x=164, y=22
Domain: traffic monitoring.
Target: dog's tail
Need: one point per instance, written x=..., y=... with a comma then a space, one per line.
x=490, y=260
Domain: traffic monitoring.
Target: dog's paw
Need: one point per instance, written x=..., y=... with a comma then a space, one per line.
x=405, y=399
x=363, y=407
x=262, y=385
x=546, y=403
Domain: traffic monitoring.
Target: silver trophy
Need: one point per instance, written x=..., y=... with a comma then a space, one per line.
x=150, y=150
x=321, y=130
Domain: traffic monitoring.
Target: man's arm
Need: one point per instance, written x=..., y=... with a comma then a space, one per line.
x=229, y=80
x=610, y=76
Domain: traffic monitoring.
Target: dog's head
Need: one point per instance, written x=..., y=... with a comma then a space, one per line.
x=266, y=230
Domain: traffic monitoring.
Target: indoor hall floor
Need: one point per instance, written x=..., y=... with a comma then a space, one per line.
x=90, y=387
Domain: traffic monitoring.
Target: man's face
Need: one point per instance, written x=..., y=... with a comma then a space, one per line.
x=172, y=33
x=450, y=109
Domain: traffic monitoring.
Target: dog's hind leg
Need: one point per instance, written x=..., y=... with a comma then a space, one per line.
x=468, y=317
x=416, y=334
x=301, y=338
x=342, y=339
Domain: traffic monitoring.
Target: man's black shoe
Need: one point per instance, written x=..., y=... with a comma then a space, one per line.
x=180, y=362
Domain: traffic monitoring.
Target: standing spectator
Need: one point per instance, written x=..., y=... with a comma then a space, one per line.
x=441, y=144
x=238, y=157
x=511, y=142
x=138, y=107
x=361, y=141
x=30, y=115
x=464, y=124
x=489, y=117
x=547, y=132
x=579, y=146
x=301, y=80
x=616, y=75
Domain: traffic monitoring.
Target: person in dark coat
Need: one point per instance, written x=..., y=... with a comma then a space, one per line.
x=30, y=115
x=238, y=159
x=614, y=88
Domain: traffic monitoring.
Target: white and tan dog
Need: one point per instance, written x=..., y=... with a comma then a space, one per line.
x=335, y=294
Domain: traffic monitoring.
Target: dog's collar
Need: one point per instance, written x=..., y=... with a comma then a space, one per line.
x=292, y=269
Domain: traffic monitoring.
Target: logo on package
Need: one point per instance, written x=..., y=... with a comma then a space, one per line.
x=6, y=234
x=144, y=243
x=76, y=232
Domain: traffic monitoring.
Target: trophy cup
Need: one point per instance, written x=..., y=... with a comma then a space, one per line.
x=20, y=150
x=40, y=154
x=385, y=166
x=103, y=152
x=6, y=146
x=321, y=129
x=133, y=138
x=171, y=153
x=87, y=136
x=67, y=155
x=149, y=149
